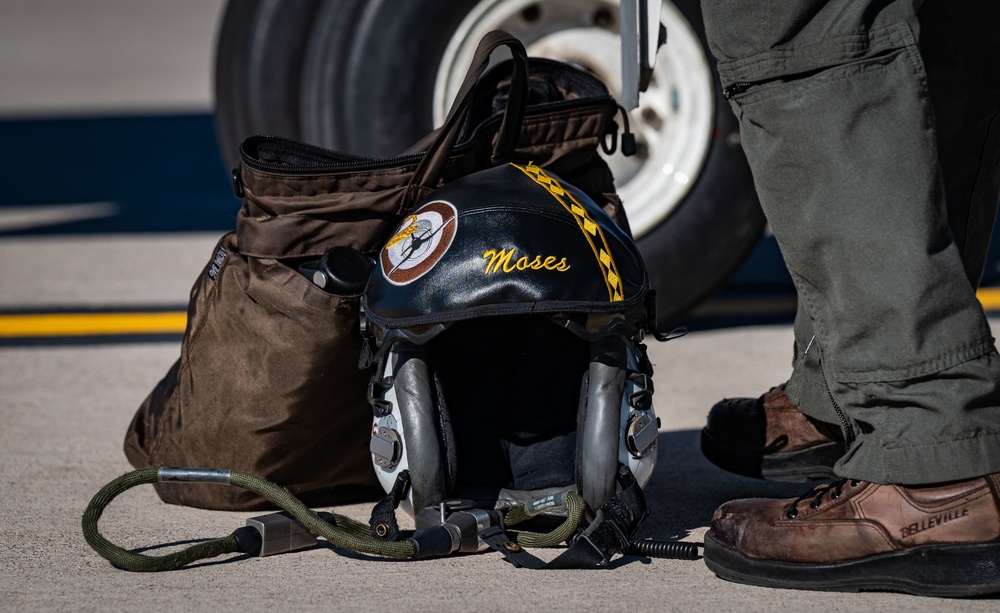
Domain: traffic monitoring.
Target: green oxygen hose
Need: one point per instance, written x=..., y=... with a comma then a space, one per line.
x=575, y=507
x=343, y=532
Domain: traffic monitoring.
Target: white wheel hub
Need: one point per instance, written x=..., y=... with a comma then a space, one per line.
x=674, y=122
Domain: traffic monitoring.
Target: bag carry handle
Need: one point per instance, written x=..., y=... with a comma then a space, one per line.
x=431, y=167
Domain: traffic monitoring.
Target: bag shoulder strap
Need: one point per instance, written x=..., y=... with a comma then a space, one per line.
x=431, y=167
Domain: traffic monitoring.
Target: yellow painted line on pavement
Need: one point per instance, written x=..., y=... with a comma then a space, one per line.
x=989, y=297
x=174, y=322
x=91, y=324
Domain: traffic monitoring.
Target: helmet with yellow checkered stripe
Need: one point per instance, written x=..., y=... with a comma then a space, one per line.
x=506, y=315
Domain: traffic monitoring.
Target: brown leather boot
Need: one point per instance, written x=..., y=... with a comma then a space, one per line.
x=940, y=540
x=770, y=438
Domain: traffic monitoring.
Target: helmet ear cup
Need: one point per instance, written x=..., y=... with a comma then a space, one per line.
x=600, y=434
x=414, y=390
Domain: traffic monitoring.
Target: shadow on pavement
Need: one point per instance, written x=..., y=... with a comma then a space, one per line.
x=685, y=488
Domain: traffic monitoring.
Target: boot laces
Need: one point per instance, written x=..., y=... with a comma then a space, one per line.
x=834, y=489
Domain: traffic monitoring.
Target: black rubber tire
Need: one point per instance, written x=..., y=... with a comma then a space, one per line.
x=371, y=84
x=367, y=71
x=258, y=70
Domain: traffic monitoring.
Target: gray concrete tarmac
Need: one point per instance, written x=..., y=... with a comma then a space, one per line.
x=65, y=409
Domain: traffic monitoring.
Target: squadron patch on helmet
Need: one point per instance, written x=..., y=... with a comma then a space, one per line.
x=420, y=242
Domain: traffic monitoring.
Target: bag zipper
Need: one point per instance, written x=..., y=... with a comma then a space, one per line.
x=347, y=162
x=340, y=161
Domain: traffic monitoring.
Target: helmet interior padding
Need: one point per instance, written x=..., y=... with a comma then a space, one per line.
x=509, y=390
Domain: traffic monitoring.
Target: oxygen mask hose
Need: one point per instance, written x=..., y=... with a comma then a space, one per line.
x=342, y=532
x=128, y=560
x=670, y=550
x=574, y=505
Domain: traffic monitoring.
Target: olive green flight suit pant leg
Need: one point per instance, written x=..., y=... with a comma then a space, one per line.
x=873, y=133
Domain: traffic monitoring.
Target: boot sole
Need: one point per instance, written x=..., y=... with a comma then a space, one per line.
x=950, y=571
x=813, y=464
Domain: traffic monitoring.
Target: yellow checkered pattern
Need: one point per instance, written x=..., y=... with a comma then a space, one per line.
x=591, y=231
